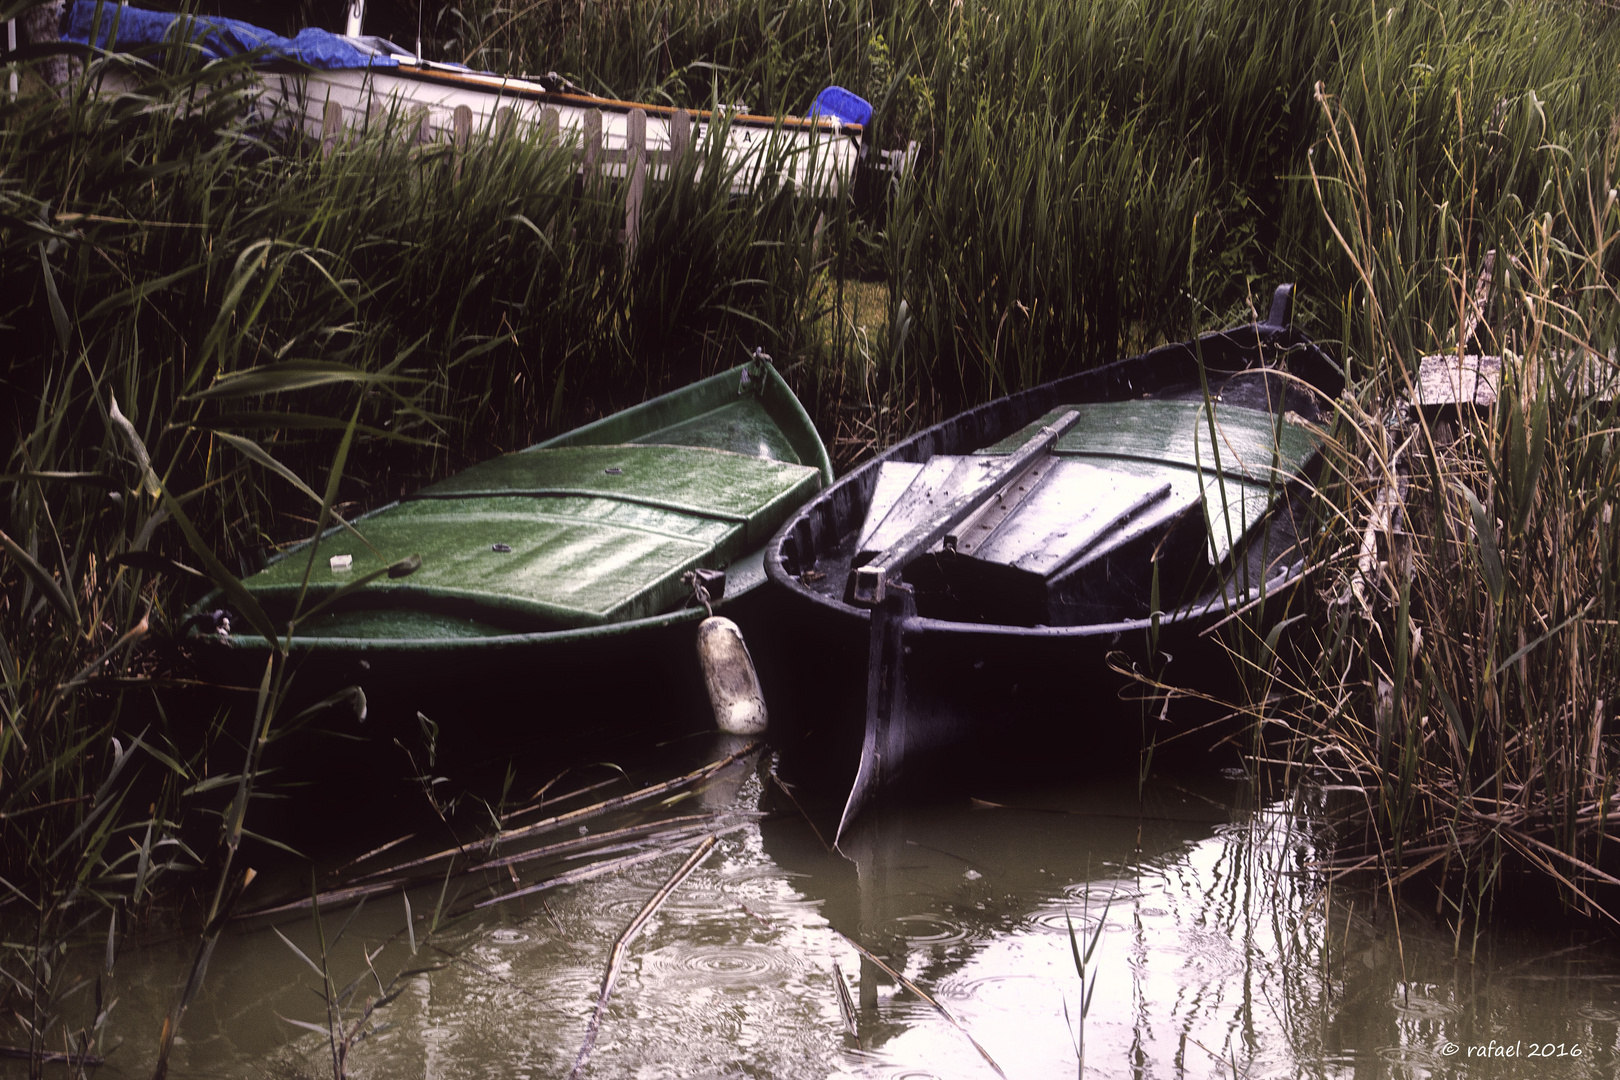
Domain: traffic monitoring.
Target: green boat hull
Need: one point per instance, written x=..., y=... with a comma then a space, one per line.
x=563, y=562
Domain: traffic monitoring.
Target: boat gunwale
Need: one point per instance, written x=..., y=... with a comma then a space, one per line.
x=1098, y=381
x=508, y=85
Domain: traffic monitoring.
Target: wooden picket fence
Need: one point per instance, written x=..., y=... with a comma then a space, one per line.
x=595, y=159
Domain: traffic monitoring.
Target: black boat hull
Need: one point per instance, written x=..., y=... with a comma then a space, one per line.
x=901, y=706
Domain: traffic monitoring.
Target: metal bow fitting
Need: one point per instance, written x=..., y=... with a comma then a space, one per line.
x=708, y=587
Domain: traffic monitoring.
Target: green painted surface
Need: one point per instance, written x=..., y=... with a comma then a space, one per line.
x=1256, y=453
x=1242, y=504
x=574, y=561
x=1248, y=442
x=743, y=427
x=601, y=524
x=705, y=413
x=399, y=623
x=688, y=479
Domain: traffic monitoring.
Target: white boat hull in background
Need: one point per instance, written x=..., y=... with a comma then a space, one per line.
x=818, y=156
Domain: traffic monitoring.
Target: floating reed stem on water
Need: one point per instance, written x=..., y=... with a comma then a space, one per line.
x=616, y=957
x=478, y=857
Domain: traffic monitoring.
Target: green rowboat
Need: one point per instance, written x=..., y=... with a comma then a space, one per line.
x=584, y=540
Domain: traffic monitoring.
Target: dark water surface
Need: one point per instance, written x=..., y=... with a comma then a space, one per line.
x=1220, y=954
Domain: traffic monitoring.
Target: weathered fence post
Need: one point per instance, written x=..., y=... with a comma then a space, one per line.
x=331, y=127
x=420, y=130
x=680, y=136
x=593, y=142
x=11, y=46
x=505, y=123
x=462, y=135
x=41, y=25
x=551, y=125
x=635, y=171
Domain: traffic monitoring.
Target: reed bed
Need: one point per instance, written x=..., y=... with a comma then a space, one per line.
x=1091, y=177
x=214, y=335
x=1457, y=670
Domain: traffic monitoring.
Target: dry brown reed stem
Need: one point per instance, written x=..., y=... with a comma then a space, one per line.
x=782, y=785
x=950, y=1018
x=621, y=946
x=574, y=816
x=595, y=843
x=846, y=1004
x=596, y=871
x=51, y=1057
x=540, y=802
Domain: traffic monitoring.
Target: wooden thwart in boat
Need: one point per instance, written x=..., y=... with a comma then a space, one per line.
x=946, y=494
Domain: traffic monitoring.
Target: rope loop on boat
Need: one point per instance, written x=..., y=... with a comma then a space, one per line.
x=699, y=592
x=753, y=376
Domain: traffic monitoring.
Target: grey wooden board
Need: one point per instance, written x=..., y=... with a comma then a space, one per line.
x=1075, y=505
x=894, y=477
x=1477, y=380
x=944, y=479
x=1112, y=503
x=1083, y=508
x=971, y=534
x=1126, y=469
x=1453, y=380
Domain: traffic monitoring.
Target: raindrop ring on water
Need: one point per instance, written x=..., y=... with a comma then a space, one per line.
x=721, y=965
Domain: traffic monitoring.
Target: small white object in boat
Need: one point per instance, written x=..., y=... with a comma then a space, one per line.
x=341, y=562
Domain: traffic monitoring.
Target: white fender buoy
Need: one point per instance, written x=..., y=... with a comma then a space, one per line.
x=728, y=671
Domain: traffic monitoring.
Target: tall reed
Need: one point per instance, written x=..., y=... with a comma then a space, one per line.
x=1461, y=663
x=212, y=334
x=1093, y=176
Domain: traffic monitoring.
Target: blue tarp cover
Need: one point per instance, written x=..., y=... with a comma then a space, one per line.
x=217, y=38
x=841, y=105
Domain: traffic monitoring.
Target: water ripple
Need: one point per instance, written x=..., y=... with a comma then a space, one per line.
x=1418, y=1001
x=957, y=988
x=1416, y=1062
x=721, y=965
x=930, y=930
x=1058, y=921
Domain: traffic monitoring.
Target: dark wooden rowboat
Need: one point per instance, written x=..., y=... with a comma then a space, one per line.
x=559, y=569
x=981, y=582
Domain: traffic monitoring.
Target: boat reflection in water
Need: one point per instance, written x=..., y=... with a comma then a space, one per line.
x=973, y=902
x=1222, y=952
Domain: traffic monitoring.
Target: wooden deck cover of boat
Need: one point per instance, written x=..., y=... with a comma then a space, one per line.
x=1122, y=471
x=1237, y=475
x=560, y=536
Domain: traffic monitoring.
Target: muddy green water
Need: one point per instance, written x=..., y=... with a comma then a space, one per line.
x=1220, y=954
